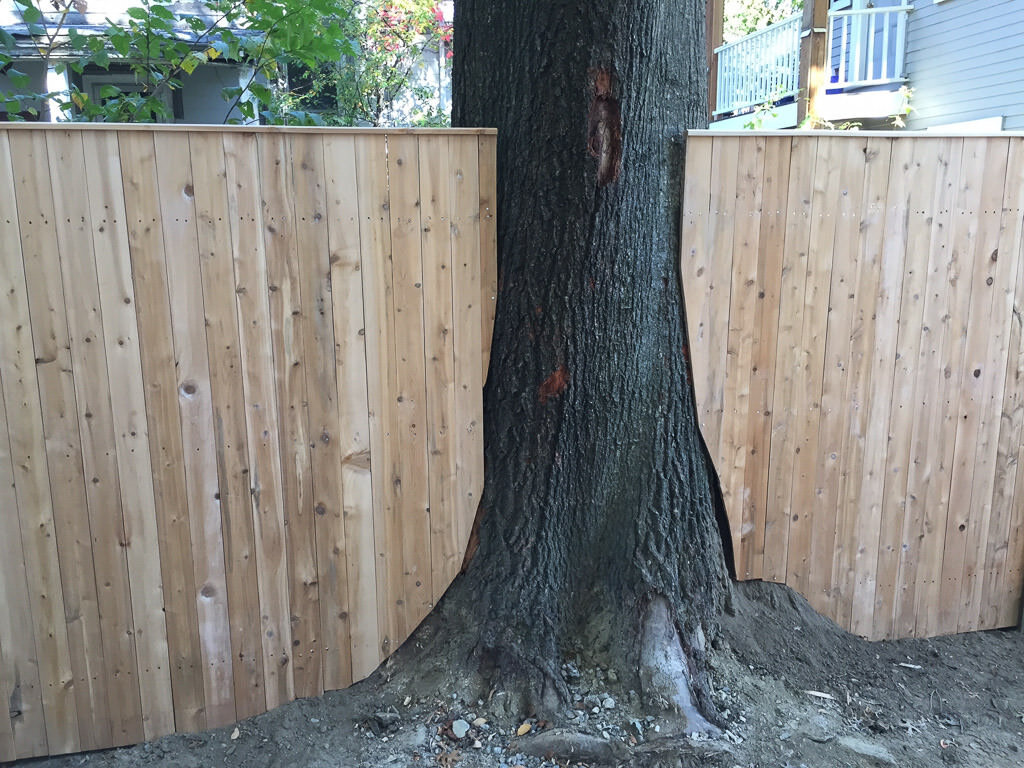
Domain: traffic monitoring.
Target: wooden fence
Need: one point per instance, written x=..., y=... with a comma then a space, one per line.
x=854, y=304
x=241, y=448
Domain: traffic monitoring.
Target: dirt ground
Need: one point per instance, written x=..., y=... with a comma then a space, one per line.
x=795, y=692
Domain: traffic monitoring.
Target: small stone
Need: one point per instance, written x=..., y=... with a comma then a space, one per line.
x=613, y=676
x=596, y=710
x=479, y=722
x=608, y=703
x=867, y=749
x=477, y=744
x=460, y=728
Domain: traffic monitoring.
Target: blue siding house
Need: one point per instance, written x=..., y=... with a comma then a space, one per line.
x=962, y=61
x=965, y=62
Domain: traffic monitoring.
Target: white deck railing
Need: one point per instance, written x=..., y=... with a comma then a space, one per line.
x=867, y=46
x=758, y=68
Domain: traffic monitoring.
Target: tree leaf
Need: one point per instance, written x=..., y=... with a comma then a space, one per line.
x=190, y=62
x=162, y=11
x=18, y=78
x=29, y=12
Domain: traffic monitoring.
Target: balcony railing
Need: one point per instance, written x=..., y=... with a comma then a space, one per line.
x=761, y=67
x=867, y=46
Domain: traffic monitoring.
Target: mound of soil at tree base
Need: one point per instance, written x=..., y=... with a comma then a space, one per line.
x=794, y=689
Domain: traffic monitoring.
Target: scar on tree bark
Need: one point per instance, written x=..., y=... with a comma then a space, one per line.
x=604, y=129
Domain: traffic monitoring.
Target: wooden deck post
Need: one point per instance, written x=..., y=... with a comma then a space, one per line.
x=813, y=57
x=715, y=35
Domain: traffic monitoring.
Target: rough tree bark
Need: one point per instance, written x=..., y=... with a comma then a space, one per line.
x=597, y=521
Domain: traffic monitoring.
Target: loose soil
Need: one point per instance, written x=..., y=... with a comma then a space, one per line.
x=795, y=691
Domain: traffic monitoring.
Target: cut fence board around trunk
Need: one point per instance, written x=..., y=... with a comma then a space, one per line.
x=888, y=464
x=221, y=352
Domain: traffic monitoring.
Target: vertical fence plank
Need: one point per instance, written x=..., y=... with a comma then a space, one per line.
x=353, y=440
x=465, y=231
x=138, y=161
x=743, y=305
x=788, y=374
x=868, y=303
x=52, y=346
x=259, y=395
x=488, y=144
x=724, y=160
x=350, y=359
x=920, y=208
x=942, y=564
x=230, y=439
x=131, y=442
x=921, y=527
x=771, y=242
x=809, y=369
x=983, y=373
x=381, y=383
x=1012, y=576
x=195, y=413
x=322, y=396
x=23, y=730
x=865, y=491
x=409, y=402
x=8, y=752
x=446, y=546
x=999, y=608
x=306, y=405
x=53, y=726
x=96, y=423
x=696, y=264
x=273, y=547
x=829, y=478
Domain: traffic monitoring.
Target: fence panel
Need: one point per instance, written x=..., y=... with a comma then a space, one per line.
x=873, y=465
x=240, y=379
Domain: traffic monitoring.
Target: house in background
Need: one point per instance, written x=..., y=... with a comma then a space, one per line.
x=847, y=60
x=199, y=100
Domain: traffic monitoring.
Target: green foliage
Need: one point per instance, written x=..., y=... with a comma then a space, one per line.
x=378, y=84
x=742, y=17
x=160, y=46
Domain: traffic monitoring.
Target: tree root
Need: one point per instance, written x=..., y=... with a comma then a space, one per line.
x=537, y=680
x=665, y=674
x=561, y=744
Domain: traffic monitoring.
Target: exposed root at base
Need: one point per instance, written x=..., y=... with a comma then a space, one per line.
x=539, y=684
x=665, y=670
x=562, y=744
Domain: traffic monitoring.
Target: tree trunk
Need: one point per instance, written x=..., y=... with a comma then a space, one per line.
x=597, y=523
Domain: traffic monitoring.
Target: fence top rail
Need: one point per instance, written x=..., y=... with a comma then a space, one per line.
x=197, y=128
x=932, y=134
